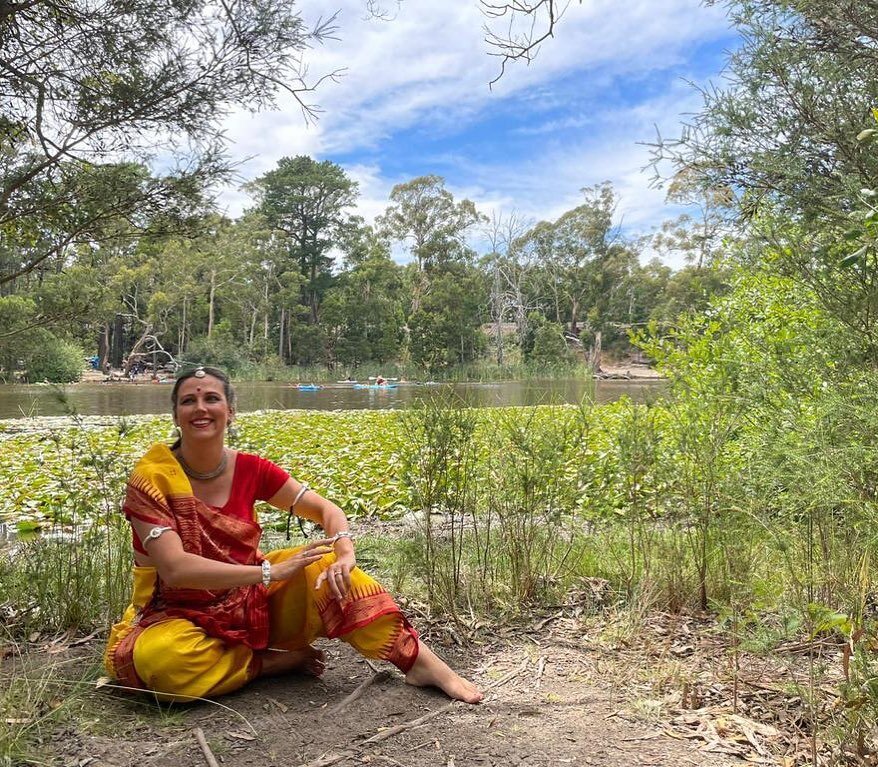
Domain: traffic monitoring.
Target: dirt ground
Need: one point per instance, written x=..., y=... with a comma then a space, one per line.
x=546, y=705
x=566, y=688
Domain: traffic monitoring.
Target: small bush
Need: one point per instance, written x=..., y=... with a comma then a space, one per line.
x=549, y=345
x=220, y=350
x=55, y=360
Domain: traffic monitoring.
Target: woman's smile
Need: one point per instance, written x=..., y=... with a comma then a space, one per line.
x=202, y=407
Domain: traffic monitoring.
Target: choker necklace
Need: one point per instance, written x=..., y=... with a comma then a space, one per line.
x=202, y=475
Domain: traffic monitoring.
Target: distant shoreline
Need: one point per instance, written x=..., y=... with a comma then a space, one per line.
x=612, y=371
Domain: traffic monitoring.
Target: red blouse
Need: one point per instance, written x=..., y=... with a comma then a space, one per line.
x=254, y=479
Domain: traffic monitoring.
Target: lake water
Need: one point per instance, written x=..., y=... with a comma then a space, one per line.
x=20, y=401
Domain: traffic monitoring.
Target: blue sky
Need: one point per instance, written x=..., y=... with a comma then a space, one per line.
x=415, y=100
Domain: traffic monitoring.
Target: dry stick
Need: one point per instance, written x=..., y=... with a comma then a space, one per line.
x=541, y=667
x=372, y=666
x=326, y=761
x=205, y=749
x=365, y=685
x=391, y=731
x=410, y=725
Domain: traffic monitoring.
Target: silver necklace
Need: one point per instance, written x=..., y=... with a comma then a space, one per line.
x=202, y=475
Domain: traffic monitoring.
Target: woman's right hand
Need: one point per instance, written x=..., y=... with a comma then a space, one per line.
x=308, y=554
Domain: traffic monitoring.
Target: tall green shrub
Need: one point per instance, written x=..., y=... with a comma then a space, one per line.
x=54, y=360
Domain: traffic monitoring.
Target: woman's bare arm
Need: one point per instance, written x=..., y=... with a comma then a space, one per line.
x=332, y=519
x=179, y=569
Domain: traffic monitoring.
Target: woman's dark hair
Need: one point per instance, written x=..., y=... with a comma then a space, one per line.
x=199, y=372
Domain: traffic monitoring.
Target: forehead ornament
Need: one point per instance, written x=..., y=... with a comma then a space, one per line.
x=199, y=372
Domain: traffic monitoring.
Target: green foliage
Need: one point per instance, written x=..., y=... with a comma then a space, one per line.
x=306, y=201
x=220, y=350
x=112, y=94
x=546, y=343
x=424, y=213
x=800, y=88
x=16, y=317
x=54, y=360
x=446, y=327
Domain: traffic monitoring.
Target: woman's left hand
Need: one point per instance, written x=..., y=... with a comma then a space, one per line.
x=338, y=575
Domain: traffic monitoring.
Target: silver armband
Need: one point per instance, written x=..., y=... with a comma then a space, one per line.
x=155, y=533
x=304, y=489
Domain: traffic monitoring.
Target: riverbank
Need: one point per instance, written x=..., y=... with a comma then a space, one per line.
x=622, y=369
x=118, y=399
x=628, y=372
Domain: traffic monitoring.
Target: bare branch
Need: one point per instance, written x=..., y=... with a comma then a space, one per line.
x=529, y=24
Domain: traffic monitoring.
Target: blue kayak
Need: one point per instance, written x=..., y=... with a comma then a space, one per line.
x=375, y=386
x=309, y=387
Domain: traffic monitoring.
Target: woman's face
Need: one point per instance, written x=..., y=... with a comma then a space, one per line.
x=202, y=410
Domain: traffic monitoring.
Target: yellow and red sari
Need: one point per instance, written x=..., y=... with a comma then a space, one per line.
x=188, y=643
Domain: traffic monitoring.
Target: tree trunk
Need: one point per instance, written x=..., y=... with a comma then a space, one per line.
x=574, y=317
x=498, y=313
x=210, y=306
x=265, y=322
x=253, y=318
x=313, y=293
x=280, y=336
x=181, y=341
x=117, y=351
x=135, y=350
x=595, y=355
x=104, y=345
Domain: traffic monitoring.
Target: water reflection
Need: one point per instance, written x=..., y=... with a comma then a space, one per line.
x=18, y=401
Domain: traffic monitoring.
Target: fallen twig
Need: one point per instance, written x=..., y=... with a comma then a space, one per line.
x=205, y=749
x=410, y=725
x=541, y=667
x=330, y=759
x=365, y=685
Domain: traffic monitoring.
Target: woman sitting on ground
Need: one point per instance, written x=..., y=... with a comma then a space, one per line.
x=210, y=612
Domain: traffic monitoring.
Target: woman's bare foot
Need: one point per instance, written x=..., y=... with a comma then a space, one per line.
x=431, y=671
x=307, y=660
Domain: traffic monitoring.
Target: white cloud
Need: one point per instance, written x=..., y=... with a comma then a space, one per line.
x=428, y=70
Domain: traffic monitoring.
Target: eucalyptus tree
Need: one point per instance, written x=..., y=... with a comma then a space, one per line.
x=571, y=255
x=307, y=201
x=364, y=310
x=509, y=268
x=424, y=214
